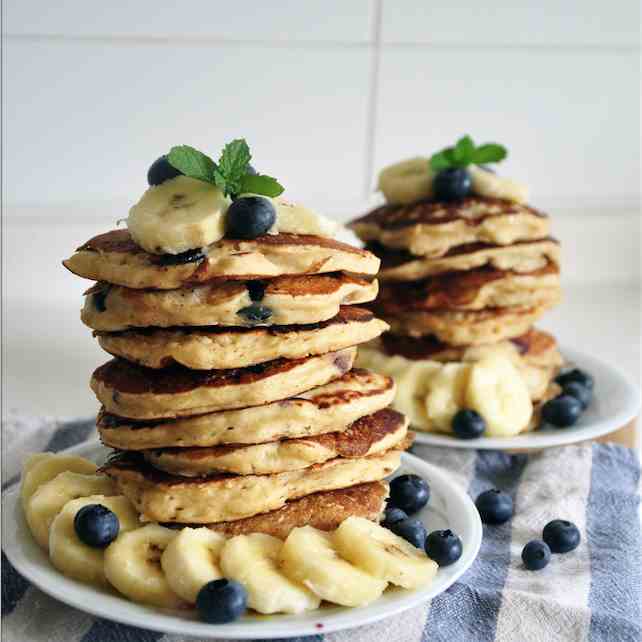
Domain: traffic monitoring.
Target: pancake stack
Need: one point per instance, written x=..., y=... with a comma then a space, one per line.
x=464, y=279
x=231, y=399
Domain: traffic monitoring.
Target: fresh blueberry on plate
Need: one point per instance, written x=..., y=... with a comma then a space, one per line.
x=160, y=171
x=468, y=424
x=249, y=217
x=96, y=525
x=577, y=375
x=536, y=555
x=451, y=184
x=392, y=515
x=255, y=313
x=561, y=536
x=494, y=506
x=580, y=392
x=221, y=601
x=412, y=530
x=563, y=411
x=443, y=547
x=409, y=492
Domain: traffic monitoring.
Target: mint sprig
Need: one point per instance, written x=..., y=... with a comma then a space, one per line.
x=230, y=174
x=465, y=153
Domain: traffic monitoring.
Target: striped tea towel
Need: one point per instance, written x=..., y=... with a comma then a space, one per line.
x=590, y=594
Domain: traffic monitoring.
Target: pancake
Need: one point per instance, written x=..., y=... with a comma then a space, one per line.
x=467, y=327
x=535, y=354
x=521, y=256
x=368, y=435
x=129, y=390
x=115, y=258
x=325, y=511
x=285, y=300
x=484, y=287
x=431, y=228
x=223, y=497
x=204, y=348
x=328, y=408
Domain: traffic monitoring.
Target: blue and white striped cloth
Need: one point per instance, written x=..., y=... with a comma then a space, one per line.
x=591, y=594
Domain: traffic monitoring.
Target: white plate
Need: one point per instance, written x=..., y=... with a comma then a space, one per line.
x=616, y=401
x=449, y=507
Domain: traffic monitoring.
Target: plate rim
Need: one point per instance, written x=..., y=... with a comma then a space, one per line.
x=155, y=620
x=539, y=440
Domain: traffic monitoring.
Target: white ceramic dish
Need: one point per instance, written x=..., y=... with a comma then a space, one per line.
x=449, y=507
x=616, y=401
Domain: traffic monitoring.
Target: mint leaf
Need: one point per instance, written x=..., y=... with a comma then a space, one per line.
x=439, y=161
x=464, y=150
x=232, y=165
x=192, y=163
x=260, y=184
x=489, y=153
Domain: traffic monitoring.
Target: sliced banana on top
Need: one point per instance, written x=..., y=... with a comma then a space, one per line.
x=309, y=557
x=407, y=181
x=43, y=467
x=379, y=552
x=191, y=560
x=293, y=218
x=180, y=214
x=488, y=184
x=69, y=554
x=253, y=561
x=49, y=499
x=497, y=391
x=133, y=567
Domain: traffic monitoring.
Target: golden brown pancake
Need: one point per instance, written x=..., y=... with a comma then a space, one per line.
x=204, y=348
x=328, y=408
x=115, y=258
x=130, y=390
x=368, y=435
x=223, y=497
x=431, y=228
x=284, y=300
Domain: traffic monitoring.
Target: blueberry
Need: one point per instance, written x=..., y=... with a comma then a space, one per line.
x=536, y=555
x=190, y=256
x=562, y=536
x=494, y=506
x=96, y=525
x=161, y=171
x=412, y=530
x=392, y=516
x=409, y=492
x=443, y=547
x=468, y=424
x=249, y=217
x=576, y=375
x=563, y=411
x=580, y=392
x=221, y=601
x=255, y=313
x=256, y=290
x=250, y=170
x=451, y=184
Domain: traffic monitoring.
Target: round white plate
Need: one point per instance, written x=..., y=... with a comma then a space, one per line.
x=449, y=507
x=616, y=401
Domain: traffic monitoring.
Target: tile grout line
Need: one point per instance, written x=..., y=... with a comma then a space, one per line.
x=373, y=98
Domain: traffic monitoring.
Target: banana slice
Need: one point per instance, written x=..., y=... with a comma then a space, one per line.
x=488, y=184
x=69, y=554
x=499, y=394
x=413, y=383
x=379, y=552
x=293, y=218
x=253, y=561
x=49, y=499
x=132, y=566
x=42, y=467
x=309, y=557
x=406, y=182
x=178, y=215
x=446, y=395
x=191, y=560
